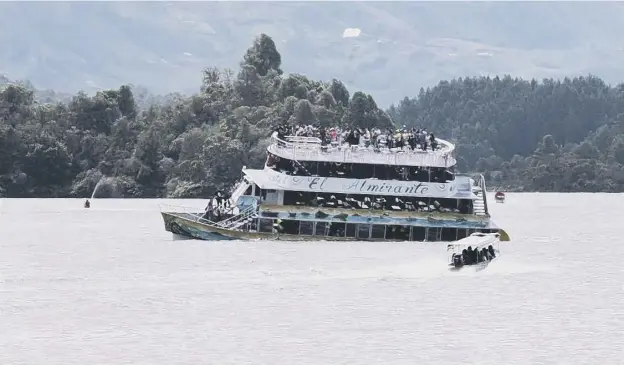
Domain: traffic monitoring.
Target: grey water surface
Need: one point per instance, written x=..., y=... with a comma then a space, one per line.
x=108, y=285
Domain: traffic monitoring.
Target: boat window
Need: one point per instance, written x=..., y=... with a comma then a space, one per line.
x=462, y=233
x=321, y=229
x=298, y=198
x=265, y=225
x=418, y=234
x=271, y=197
x=351, y=229
x=306, y=228
x=287, y=226
x=336, y=229
x=465, y=206
x=399, y=233
x=449, y=234
x=363, y=231
x=433, y=234
x=378, y=231
x=403, y=233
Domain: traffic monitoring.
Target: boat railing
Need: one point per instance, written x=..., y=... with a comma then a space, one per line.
x=303, y=139
x=310, y=149
x=171, y=208
x=239, y=190
x=191, y=213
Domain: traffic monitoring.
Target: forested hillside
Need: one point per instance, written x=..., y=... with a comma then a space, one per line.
x=548, y=136
x=526, y=135
x=96, y=45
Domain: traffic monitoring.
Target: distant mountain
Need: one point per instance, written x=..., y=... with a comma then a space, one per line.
x=67, y=46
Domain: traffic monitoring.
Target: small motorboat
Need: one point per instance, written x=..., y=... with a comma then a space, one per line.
x=499, y=197
x=476, y=250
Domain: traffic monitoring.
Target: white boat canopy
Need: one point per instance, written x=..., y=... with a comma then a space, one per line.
x=480, y=240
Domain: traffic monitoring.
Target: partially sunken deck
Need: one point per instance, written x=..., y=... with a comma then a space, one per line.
x=299, y=151
x=336, y=215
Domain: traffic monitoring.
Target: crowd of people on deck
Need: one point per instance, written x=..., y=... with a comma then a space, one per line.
x=356, y=201
x=375, y=138
x=471, y=256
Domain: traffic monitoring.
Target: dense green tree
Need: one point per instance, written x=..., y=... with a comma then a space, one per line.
x=139, y=145
x=263, y=56
x=553, y=135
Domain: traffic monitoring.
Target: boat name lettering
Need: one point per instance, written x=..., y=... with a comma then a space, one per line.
x=317, y=183
x=361, y=186
x=416, y=188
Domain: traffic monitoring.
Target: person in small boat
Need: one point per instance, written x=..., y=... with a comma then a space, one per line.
x=475, y=256
x=457, y=260
x=464, y=256
x=491, y=251
x=485, y=254
x=469, y=256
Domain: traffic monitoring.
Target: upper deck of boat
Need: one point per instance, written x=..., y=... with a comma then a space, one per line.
x=310, y=149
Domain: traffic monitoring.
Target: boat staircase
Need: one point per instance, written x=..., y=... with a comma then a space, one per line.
x=480, y=204
x=239, y=191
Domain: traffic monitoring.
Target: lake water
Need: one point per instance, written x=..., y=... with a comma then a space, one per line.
x=108, y=285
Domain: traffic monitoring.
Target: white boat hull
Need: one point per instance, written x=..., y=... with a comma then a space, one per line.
x=476, y=267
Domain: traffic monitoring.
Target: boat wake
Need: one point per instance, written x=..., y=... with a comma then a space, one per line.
x=508, y=266
x=424, y=270
x=429, y=269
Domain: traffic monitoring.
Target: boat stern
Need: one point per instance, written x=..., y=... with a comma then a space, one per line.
x=187, y=222
x=504, y=236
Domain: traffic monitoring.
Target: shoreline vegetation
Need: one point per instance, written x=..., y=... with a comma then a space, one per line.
x=523, y=135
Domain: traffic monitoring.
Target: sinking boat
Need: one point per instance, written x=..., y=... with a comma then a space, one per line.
x=311, y=191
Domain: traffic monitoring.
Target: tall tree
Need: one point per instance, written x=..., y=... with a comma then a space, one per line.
x=263, y=55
